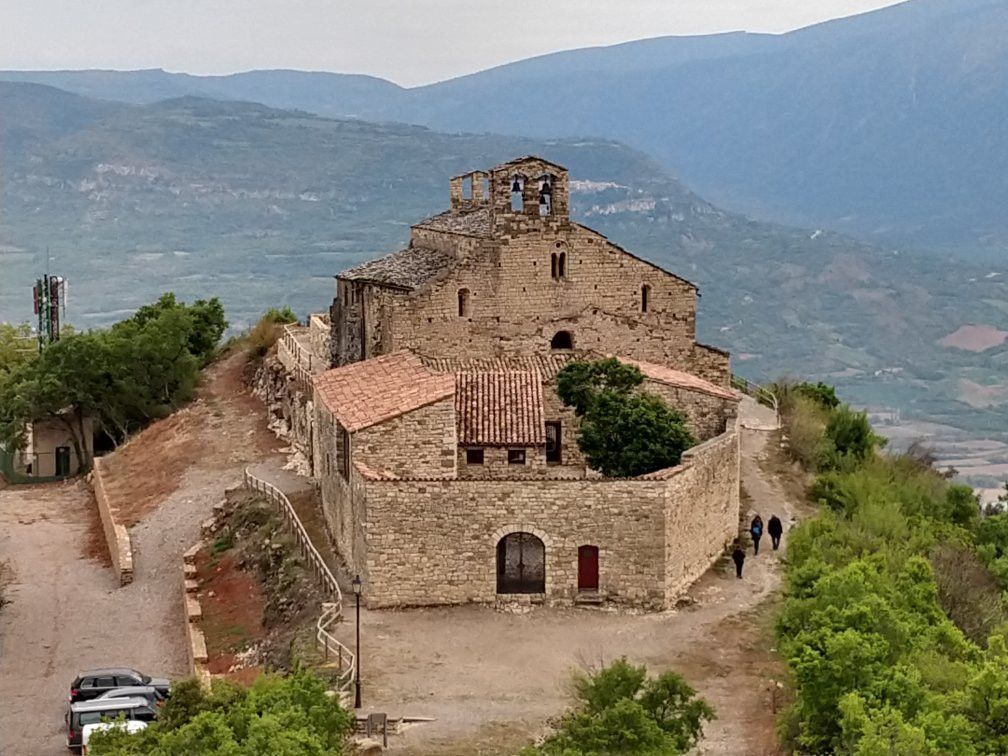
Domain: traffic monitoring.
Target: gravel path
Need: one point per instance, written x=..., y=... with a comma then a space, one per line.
x=66, y=613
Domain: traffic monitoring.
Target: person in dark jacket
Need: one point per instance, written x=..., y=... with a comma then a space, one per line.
x=738, y=556
x=756, y=531
x=776, y=529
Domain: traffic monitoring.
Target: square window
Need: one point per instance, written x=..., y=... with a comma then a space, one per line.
x=516, y=456
x=474, y=456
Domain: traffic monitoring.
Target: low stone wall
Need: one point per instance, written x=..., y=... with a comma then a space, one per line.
x=116, y=536
x=196, y=647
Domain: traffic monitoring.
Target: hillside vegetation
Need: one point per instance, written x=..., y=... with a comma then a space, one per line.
x=894, y=625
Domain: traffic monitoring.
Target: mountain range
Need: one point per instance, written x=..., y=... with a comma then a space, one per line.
x=262, y=206
x=888, y=126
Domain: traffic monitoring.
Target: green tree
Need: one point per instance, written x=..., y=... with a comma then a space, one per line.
x=620, y=711
x=287, y=716
x=820, y=393
x=848, y=439
x=624, y=432
x=17, y=346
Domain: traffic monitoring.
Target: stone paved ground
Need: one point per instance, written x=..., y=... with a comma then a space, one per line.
x=491, y=679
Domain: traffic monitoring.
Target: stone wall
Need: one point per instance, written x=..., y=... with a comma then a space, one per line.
x=288, y=404
x=343, y=506
x=418, y=444
x=496, y=466
x=320, y=338
x=701, y=510
x=116, y=536
x=434, y=542
x=706, y=415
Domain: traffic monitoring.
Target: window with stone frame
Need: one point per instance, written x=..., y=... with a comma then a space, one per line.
x=516, y=456
x=464, y=303
x=474, y=456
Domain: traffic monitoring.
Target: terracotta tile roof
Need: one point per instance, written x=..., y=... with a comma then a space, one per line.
x=469, y=223
x=366, y=393
x=407, y=268
x=547, y=365
x=499, y=408
x=679, y=379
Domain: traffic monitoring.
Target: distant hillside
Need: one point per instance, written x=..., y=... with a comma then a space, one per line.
x=262, y=207
x=888, y=126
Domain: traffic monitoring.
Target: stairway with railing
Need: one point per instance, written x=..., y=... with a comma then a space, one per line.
x=332, y=611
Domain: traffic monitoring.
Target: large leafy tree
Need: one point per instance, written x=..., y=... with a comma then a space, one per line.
x=123, y=377
x=624, y=432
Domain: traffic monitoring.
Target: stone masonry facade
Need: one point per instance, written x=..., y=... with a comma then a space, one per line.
x=448, y=467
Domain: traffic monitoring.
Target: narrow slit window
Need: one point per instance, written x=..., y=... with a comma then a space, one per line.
x=562, y=265
x=464, y=303
x=553, y=266
x=645, y=297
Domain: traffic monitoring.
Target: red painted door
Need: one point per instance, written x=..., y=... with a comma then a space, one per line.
x=588, y=568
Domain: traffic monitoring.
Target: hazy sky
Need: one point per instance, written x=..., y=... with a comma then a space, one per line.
x=407, y=41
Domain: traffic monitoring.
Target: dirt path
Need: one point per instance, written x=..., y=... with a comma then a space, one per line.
x=490, y=679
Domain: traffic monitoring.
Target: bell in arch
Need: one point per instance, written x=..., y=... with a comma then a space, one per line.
x=516, y=186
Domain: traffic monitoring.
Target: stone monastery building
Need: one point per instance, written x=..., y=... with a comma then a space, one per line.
x=449, y=468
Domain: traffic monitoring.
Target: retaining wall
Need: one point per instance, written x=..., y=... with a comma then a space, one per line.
x=116, y=536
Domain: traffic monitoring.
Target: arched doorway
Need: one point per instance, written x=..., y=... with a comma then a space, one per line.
x=587, y=569
x=521, y=564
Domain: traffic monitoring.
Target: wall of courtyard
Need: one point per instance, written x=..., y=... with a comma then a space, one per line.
x=434, y=542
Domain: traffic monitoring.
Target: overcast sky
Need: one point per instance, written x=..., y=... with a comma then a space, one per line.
x=407, y=41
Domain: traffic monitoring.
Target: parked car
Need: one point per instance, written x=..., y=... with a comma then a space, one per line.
x=130, y=725
x=155, y=696
x=85, y=713
x=94, y=682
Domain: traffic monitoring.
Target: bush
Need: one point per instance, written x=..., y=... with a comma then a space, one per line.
x=277, y=715
x=281, y=316
x=804, y=422
x=263, y=336
x=848, y=439
x=620, y=711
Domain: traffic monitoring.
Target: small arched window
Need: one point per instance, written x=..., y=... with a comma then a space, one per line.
x=562, y=265
x=553, y=265
x=645, y=297
x=464, y=303
x=562, y=340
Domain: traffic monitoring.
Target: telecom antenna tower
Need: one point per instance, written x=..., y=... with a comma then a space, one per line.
x=50, y=296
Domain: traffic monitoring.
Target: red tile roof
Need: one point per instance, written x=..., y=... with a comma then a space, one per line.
x=679, y=379
x=500, y=408
x=365, y=393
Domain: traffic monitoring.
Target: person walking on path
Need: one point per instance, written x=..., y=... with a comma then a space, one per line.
x=776, y=530
x=756, y=531
x=738, y=556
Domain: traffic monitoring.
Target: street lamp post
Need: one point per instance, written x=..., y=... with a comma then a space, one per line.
x=356, y=583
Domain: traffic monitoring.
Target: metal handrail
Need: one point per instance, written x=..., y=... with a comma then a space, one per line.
x=758, y=392
x=332, y=612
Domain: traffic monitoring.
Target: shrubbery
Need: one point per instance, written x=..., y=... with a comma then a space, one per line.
x=893, y=627
x=277, y=715
x=619, y=710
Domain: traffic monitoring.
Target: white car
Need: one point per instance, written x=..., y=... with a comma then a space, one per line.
x=130, y=725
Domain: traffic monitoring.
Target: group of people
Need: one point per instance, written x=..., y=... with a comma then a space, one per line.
x=775, y=528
